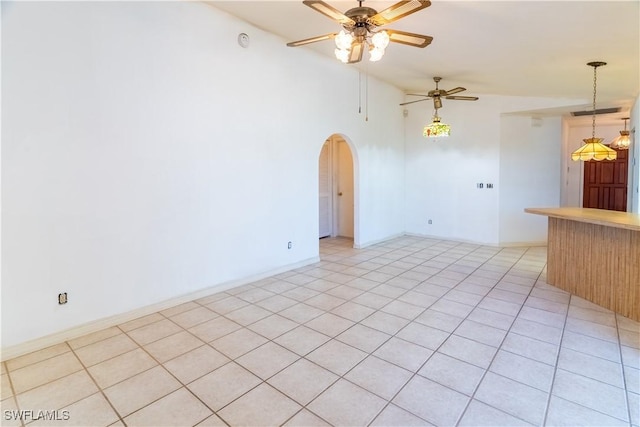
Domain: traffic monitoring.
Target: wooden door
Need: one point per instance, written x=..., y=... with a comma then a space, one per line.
x=344, y=178
x=605, y=183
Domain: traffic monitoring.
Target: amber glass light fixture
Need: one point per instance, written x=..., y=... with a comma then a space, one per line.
x=593, y=148
x=623, y=141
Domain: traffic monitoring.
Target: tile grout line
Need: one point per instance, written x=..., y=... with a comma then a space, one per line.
x=343, y=376
x=624, y=375
x=14, y=396
x=159, y=364
x=388, y=401
x=461, y=416
x=555, y=367
x=205, y=343
x=100, y=390
x=441, y=344
x=269, y=340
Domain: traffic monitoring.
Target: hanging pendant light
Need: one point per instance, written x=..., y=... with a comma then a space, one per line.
x=593, y=148
x=436, y=128
x=623, y=141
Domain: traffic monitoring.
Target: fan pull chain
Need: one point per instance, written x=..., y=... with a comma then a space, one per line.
x=359, y=92
x=366, y=101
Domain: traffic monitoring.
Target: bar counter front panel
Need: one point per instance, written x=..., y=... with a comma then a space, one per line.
x=595, y=254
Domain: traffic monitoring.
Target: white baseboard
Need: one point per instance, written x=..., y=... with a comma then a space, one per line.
x=520, y=244
x=13, y=351
x=450, y=239
x=492, y=244
x=375, y=242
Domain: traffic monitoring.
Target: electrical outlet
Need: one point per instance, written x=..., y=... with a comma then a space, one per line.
x=480, y=185
x=489, y=185
x=62, y=298
x=429, y=222
x=289, y=245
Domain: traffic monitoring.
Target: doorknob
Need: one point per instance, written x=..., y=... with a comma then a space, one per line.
x=340, y=193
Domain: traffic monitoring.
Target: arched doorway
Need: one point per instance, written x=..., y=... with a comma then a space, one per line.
x=336, y=189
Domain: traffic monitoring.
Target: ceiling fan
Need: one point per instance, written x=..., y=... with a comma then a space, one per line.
x=437, y=95
x=361, y=27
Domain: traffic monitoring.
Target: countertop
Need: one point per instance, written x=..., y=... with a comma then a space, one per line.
x=627, y=220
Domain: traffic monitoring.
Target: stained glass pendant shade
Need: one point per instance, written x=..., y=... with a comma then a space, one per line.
x=594, y=149
x=436, y=129
x=623, y=141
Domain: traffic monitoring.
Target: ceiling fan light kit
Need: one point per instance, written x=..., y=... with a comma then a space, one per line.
x=361, y=29
x=593, y=148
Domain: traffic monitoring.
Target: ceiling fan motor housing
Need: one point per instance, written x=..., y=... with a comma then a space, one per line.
x=360, y=15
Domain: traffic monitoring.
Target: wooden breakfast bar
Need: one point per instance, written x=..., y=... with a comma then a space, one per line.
x=595, y=254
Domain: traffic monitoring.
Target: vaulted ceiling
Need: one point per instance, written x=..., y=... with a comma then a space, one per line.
x=523, y=48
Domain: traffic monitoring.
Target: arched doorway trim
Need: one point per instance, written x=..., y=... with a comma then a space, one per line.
x=337, y=144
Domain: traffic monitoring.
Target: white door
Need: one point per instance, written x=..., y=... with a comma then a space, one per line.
x=344, y=180
x=324, y=190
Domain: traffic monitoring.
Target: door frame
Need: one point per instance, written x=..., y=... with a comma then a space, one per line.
x=574, y=129
x=356, y=186
x=330, y=189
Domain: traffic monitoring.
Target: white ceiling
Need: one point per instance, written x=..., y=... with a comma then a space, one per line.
x=525, y=48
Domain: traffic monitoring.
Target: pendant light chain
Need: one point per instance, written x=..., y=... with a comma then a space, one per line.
x=595, y=65
x=593, y=117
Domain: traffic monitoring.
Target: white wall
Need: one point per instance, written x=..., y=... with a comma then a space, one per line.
x=530, y=158
x=146, y=155
x=488, y=144
x=441, y=174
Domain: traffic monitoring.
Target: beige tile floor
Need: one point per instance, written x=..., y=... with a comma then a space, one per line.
x=413, y=331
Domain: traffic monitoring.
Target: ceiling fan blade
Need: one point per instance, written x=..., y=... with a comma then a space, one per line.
x=411, y=39
x=455, y=90
x=329, y=11
x=355, y=55
x=463, y=98
x=397, y=11
x=312, y=40
x=413, y=102
x=418, y=94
